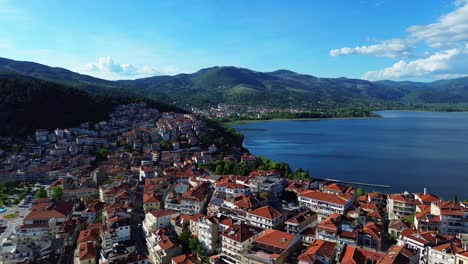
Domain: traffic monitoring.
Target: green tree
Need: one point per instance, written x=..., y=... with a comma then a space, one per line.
x=98, y=219
x=229, y=167
x=184, y=239
x=56, y=193
x=455, y=198
x=195, y=246
x=266, y=195
x=41, y=193
x=360, y=192
x=219, y=170
x=410, y=218
x=102, y=154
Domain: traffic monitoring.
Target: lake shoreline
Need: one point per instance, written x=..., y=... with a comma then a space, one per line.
x=240, y=122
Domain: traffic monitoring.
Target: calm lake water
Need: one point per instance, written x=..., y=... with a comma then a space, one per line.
x=406, y=150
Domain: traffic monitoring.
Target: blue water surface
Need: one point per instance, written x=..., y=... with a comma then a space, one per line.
x=406, y=150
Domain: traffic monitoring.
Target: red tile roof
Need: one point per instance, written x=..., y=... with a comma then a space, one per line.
x=163, y=212
x=326, y=197
x=87, y=251
x=241, y=232
x=397, y=255
x=267, y=212
x=88, y=235
x=355, y=255
x=318, y=248
x=186, y=259
x=277, y=239
x=48, y=210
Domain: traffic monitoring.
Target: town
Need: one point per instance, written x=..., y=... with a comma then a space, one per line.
x=160, y=187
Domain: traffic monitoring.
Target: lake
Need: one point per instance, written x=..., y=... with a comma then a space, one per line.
x=406, y=150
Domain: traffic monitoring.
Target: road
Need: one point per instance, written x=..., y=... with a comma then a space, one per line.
x=138, y=215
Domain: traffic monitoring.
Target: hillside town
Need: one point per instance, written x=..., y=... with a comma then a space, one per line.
x=140, y=188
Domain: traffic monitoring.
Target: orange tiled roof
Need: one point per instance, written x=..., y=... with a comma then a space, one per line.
x=276, y=238
x=318, y=248
x=267, y=212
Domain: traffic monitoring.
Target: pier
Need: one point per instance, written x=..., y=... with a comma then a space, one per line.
x=359, y=183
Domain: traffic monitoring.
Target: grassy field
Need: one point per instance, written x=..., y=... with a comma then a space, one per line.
x=11, y=216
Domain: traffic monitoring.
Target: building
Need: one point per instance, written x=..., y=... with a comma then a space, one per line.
x=422, y=242
x=400, y=206
x=443, y=254
x=399, y=255
x=338, y=229
x=85, y=253
x=207, y=233
x=453, y=217
x=158, y=219
x=265, y=217
x=236, y=239
x=461, y=258
x=325, y=204
x=320, y=251
x=162, y=249
x=273, y=246
x=352, y=255
x=301, y=221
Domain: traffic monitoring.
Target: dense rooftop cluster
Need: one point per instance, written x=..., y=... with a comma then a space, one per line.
x=137, y=188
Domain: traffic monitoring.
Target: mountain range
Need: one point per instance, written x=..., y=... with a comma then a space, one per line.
x=279, y=89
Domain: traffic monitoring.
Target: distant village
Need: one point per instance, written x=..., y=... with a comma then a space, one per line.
x=134, y=189
x=242, y=111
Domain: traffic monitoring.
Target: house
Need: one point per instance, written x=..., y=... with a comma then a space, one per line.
x=236, y=239
x=325, y=204
x=352, y=255
x=461, y=258
x=45, y=215
x=273, y=246
x=320, y=251
x=339, y=229
x=421, y=242
x=399, y=255
x=400, y=206
x=158, y=219
x=207, y=233
x=301, y=221
x=162, y=249
x=453, y=217
x=85, y=253
x=116, y=229
x=265, y=217
x=337, y=189
x=370, y=236
x=424, y=220
x=186, y=259
x=395, y=227
x=228, y=188
x=92, y=211
x=88, y=236
x=445, y=253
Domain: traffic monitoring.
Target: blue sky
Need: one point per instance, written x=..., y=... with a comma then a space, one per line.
x=415, y=40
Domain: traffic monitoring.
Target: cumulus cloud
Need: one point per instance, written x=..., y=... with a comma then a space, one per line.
x=444, y=55
x=450, y=29
x=393, y=48
x=441, y=64
x=106, y=67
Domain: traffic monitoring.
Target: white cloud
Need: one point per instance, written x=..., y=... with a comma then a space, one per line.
x=107, y=68
x=450, y=30
x=393, y=48
x=445, y=63
x=446, y=51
